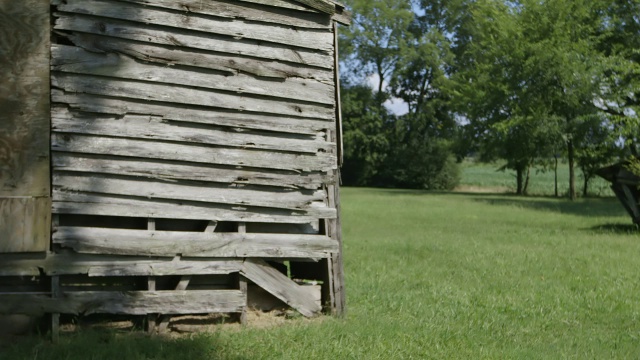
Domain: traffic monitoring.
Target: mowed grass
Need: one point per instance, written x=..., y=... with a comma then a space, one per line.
x=487, y=176
x=442, y=276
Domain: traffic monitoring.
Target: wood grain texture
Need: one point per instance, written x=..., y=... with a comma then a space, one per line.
x=245, y=10
x=176, y=21
x=24, y=98
x=169, y=170
x=223, y=59
x=91, y=204
x=193, y=244
x=280, y=286
x=125, y=302
x=155, y=128
x=186, y=95
x=235, y=120
x=238, y=49
x=100, y=265
x=193, y=153
x=25, y=224
x=72, y=59
x=190, y=191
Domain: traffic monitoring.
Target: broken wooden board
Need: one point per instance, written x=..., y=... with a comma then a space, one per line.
x=280, y=286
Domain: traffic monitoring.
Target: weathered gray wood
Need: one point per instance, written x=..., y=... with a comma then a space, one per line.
x=152, y=127
x=243, y=286
x=99, y=265
x=176, y=112
x=73, y=59
x=169, y=54
x=237, y=29
x=211, y=227
x=280, y=286
x=158, y=268
x=24, y=99
x=163, y=170
x=185, y=95
x=210, y=193
x=239, y=121
x=194, y=244
x=335, y=262
x=87, y=204
x=25, y=224
x=340, y=147
x=244, y=10
x=197, y=41
x=286, y=4
x=321, y=5
x=125, y=302
x=198, y=154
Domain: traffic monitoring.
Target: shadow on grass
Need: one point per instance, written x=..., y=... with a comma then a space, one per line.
x=626, y=229
x=590, y=206
x=111, y=344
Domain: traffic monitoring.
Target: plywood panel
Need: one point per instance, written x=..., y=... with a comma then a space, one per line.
x=24, y=224
x=24, y=98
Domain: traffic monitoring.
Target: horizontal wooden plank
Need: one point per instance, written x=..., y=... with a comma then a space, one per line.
x=209, y=192
x=97, y=265
x=165, y=170
x=76, y=60
x=167, y=53
x=225, y=53
x=321, y=162
x=286, y=4
x=91, y=204
x=169, y=93
x=316, y=39
x=175, y=112
x=155, y=128
x=194, y=244
x=126, y=302
x=279, y=285
x=246, y=10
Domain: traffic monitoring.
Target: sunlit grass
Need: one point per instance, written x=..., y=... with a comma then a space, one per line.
x=541, y=181
x=442, y=276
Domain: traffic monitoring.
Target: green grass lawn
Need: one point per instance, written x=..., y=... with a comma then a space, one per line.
x=541, y=182
x=442, y=276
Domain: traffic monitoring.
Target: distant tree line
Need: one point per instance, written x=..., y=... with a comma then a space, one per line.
x=527, y=82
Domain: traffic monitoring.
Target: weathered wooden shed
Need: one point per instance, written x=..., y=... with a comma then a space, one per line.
x=159, y=157
x=625, y=185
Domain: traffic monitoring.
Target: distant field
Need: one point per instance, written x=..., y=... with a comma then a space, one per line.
x=486, y=176
x=441, y=276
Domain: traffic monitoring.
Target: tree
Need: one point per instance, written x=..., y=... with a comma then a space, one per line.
x=373, y=42
x=365, y=142
x=535, y=62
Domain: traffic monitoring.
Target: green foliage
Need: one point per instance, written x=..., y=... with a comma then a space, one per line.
x=365, y=143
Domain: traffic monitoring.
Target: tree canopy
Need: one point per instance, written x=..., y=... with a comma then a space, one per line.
x=522, y=81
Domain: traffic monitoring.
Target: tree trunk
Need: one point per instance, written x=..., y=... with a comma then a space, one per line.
x=555, y=175
x=526, y=181
x=572, y=173
x=519, y=178
x=585, y=184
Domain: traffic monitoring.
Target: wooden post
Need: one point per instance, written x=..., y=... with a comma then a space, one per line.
x=151, y=286
x=55, y=318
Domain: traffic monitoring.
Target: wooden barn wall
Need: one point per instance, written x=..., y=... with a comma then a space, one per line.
x=24, y=126
x=217, y=111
